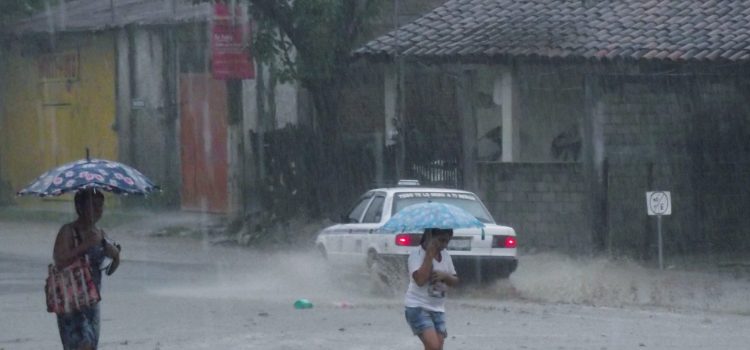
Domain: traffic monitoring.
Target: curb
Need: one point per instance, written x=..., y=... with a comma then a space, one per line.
x=112, y=217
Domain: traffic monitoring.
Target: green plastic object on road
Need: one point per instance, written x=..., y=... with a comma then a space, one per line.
x=301, y=304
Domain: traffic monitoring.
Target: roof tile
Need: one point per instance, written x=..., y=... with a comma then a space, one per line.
x=654, y=29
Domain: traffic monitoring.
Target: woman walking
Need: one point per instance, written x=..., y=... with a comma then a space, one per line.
x=431, y=273
x=79, y=330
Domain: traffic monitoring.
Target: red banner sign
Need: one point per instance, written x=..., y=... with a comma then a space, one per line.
x=230, y=44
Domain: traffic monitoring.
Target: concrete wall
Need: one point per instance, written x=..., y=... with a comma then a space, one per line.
x=546, y=203
x=544, y=197
x=362, y=104
x=147, y=122
x=551, y=104
x=688, y=133
x=687, y=136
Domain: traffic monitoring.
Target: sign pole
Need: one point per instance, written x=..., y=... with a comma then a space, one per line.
x=659, y=203
x=661, y=256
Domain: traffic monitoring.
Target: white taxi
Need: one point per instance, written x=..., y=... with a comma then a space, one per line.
x=479, y=254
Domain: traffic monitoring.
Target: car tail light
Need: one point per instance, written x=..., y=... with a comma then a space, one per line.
x=407, y=239
x=504, y=242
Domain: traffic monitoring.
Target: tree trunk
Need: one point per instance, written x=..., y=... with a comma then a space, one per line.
x=331, y=175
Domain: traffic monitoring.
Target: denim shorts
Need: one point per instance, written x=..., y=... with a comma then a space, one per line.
x=420, y=319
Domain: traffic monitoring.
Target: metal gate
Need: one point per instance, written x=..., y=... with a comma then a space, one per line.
x=434, y=159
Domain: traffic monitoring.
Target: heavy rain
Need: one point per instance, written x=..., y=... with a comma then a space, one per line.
x=276, y=174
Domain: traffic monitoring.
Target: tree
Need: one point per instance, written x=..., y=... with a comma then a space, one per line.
x=13, y=9
x=314, y=39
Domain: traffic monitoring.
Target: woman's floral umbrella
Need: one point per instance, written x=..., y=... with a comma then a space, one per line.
x=421, y=216
x=100, y=174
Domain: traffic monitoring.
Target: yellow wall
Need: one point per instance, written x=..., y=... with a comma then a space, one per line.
x=55, y=104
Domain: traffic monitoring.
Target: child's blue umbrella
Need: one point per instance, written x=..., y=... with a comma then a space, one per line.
x=100, y=174
x=421, y=216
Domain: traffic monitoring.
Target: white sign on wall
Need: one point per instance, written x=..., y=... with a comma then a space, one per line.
x=659, y=203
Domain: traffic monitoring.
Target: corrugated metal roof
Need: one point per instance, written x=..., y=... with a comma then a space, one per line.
x=676, y=30
x=86, y=15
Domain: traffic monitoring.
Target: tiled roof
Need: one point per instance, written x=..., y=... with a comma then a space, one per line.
x=638, y=29
x=84, y=15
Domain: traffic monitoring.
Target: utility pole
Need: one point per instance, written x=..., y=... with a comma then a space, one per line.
x=400, y=123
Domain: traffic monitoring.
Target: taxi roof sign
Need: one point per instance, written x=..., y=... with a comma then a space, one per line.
x=408, y=182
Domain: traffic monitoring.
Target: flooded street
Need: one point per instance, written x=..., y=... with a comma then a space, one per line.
x=586, y=162
x=174, y=292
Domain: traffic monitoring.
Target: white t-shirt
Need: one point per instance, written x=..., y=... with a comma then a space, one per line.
x=430, y=296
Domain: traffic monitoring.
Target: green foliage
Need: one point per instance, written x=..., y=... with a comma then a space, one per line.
x=312, y=38
x=310, y=42
x=318, y=24
x=270, y=47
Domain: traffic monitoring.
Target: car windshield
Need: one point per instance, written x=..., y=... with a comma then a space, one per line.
x=465, y=201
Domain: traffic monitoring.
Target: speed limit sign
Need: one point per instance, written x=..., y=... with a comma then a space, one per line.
x=659, y=203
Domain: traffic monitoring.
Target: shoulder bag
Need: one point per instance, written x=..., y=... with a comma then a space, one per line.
x=71, y=288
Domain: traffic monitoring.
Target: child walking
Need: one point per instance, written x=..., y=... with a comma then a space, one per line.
x=431, y=273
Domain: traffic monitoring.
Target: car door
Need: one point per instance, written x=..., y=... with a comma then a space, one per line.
x=361, y=236
x=355, y=237
x=339, y=238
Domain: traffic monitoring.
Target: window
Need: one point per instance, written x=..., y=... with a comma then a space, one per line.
x=375, y=211
x=356, y=213
x=468, y=202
